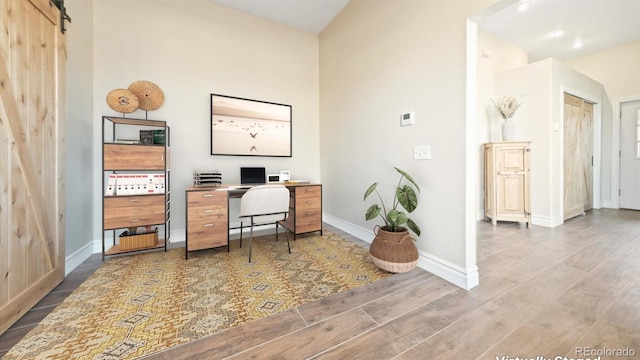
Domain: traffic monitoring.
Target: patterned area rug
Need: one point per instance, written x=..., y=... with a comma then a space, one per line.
x=139, y=304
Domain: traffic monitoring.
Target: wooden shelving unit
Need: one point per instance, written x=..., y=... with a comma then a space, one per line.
x=136, y=208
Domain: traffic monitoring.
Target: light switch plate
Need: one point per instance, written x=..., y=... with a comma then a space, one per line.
x=422, y=152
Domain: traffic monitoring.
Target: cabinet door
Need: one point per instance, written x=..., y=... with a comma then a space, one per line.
x=511, y=182
x=511, y=200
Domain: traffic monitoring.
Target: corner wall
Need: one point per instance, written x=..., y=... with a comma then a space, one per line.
x=379, y=59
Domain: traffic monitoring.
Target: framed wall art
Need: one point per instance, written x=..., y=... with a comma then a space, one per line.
x=248, y=127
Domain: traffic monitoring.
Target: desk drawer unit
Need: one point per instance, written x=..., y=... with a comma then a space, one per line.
x=305, y=209
x=129, y=211
x=207, y=220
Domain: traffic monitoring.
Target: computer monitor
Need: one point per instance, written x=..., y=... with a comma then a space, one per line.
x=253, y=175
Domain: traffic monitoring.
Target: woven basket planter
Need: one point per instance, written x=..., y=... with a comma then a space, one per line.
x=393, y=251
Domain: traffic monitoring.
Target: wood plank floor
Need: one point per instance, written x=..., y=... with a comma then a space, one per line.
x=543, y=292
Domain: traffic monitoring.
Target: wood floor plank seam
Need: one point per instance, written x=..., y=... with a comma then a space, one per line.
x=369, y=315
x=302, y=317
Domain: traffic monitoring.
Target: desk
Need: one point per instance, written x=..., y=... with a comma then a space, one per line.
x=207, y=213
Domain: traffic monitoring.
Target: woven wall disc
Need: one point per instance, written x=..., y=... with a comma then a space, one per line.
x=150, y=95
x=123, y=100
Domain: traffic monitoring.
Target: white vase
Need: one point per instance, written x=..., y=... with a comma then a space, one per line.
x=508, y=130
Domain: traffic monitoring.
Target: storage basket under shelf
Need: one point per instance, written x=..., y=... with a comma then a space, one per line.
x=138, y=241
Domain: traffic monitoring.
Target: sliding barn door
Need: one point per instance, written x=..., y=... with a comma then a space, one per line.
x=578, y=154
x=32, y=117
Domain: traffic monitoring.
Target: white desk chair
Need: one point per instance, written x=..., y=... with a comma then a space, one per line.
x=264, y=204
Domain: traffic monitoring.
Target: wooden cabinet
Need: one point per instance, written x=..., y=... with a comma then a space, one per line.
x=137, y=208
x=507, y=182
x=207, y=219
x=305, y=209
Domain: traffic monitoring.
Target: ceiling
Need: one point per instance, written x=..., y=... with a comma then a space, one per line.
x=598, y=24
x=310, y=15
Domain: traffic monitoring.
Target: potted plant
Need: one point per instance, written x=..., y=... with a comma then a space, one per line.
x=392, y=248
x=506, y=107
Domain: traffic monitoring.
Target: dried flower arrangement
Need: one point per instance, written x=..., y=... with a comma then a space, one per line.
x=506, y=106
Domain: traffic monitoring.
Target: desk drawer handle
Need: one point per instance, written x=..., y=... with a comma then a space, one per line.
x=207, y=225
x=309, y=213
x=135, y=210
x=207, y=195
x=135, y=220
x=135, y=199
x=208, y=211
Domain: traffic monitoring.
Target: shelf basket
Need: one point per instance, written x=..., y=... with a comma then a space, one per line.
x=138, y=241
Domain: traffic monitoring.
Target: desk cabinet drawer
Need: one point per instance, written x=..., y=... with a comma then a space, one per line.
x=212, y=212
x=207, y=198
x=305, y=192
x=207, y=219
x=204, y=234
x=129, y=211
x=308, y=220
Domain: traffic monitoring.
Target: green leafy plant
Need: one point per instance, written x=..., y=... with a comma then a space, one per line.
x=405, y=196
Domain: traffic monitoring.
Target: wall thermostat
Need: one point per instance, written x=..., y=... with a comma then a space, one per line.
x=406, y=119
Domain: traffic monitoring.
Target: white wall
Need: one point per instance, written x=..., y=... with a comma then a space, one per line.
x=494, y=56
x=379, y=59
x=616, y=68
x=190, y=49
x=540, y=119
x=80, y=126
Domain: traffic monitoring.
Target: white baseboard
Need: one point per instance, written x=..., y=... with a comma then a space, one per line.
x=608, y=204
x=479, y=215
x=448, y=271
x=547, y=221
x=78, y=257
x=353, y=229
x=433, y=264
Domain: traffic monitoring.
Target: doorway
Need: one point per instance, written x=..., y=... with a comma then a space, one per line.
x=578, y=156
x=629, y=194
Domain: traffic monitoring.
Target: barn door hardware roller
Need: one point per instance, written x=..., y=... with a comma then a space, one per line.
x=63, y=14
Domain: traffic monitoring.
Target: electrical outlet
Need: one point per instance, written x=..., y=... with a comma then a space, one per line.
x=422, y=152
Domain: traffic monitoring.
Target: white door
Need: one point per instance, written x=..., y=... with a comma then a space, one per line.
x=630, y=155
